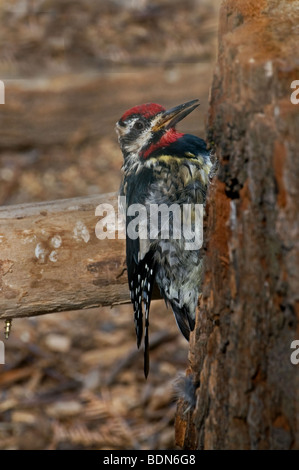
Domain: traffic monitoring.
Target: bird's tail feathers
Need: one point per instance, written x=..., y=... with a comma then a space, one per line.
x=183, y=319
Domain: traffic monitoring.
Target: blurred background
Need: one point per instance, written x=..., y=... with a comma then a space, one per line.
x=74, y=380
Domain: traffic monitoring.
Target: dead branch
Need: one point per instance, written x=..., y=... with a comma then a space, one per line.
x=51, y=259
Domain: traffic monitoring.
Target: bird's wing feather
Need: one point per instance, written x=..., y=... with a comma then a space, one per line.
x=141, y=269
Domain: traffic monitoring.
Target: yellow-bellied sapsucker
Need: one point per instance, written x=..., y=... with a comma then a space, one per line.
x=162, y=167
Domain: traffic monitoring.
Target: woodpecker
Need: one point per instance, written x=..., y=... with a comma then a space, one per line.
x=162, y=166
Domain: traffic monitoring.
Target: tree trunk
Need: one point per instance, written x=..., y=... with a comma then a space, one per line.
x=241, y=349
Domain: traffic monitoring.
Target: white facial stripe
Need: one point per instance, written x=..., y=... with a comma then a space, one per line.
x=155, y=120
x=135, y=146
x=141, y=140
x=130, y=124
x=124, y=130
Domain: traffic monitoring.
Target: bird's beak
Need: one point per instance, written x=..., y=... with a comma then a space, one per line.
x=172, y=116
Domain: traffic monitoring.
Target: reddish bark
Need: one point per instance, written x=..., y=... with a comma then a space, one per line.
x=240, y=350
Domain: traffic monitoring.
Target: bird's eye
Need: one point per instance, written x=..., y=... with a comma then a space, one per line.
x=139, y=125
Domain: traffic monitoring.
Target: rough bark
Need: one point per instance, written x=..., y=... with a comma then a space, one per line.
x=51, y=259
x=249, y=311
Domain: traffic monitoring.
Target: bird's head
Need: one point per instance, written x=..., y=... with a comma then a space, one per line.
x=148, y=127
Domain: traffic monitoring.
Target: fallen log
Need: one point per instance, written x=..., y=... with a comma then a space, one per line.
x=51, y=259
